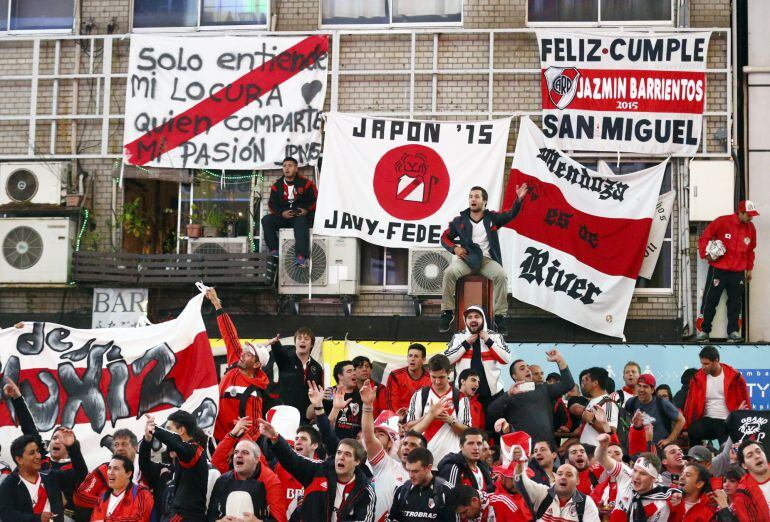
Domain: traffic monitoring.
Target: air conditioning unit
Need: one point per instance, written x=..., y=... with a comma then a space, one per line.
x=334, y=269
x=36, y=250
x=426, y=270
x=218, y=245
x=40, y=183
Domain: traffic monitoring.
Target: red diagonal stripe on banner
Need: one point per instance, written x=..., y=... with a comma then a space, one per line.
x=409, y=188
x=620, y=241
x=217, y=107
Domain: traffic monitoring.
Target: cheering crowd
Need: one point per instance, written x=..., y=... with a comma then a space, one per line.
x=440, y=439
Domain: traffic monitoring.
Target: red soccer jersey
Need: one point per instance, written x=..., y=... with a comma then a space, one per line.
x=401, y=387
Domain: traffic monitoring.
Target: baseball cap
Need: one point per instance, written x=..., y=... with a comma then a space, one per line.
x=748, y=207
x=505, y=470
x=699, y=454
x=648, y=379
x=387, y=421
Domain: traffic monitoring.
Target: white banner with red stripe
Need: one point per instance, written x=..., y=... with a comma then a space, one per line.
x=398, y=183
x=624, y=92
x=98, y=381
x=224, y=102
x=576, y=247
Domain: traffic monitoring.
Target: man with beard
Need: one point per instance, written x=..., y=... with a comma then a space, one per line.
x=123, y=500
x=472, y=237
x=468, y=383
x=297, y=368
x=465, y=466
x=386, y=462
x=250, y=485
x=751, y=502
x=425, y=496
x=336, y=490
x=639, y=497
x=528, y=406
x=697, y=501
x=588, y=476
x=403, y=382
x=562, y=501
x=242, y=386
x=481, y=350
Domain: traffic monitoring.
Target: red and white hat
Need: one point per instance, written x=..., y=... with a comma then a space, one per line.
x=748, y=207
x=508, y=443
x=259, y=351
x=387, y=421
x=285, y=420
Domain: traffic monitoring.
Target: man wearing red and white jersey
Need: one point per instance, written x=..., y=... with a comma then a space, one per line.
x=403, y=382
x=305, y=444
x=476, y=506
x=439, y=412
x=468, y=383
x=465, y=466
x=379, y=439
x=730, y=270
x=638, y=494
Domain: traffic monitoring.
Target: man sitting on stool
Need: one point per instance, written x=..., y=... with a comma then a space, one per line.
x=472, y=237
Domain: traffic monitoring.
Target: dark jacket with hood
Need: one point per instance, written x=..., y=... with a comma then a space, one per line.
x=320, y=481
x=454, y=469
x=460, y=232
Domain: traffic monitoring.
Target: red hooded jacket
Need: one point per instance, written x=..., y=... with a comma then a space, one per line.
x=703, y=511
x=748, y=502
x=739, y=240
x=736, y=392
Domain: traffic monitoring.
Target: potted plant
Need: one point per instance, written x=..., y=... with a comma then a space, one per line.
x=213, y=221
x=194, y=230
x=133, y=219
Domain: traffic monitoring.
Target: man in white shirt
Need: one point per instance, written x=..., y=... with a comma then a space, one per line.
x=593, y=381
x=439, y=411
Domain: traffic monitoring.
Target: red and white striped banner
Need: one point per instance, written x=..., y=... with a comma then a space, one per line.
x=629, y=92
x=98, y=381
x=576, y=247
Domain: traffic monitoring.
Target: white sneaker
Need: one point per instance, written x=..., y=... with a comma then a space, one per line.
x=702, y=337
x=734, y=337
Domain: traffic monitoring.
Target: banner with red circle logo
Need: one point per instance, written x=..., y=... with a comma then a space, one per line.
x=627, y=92
x=397, y=183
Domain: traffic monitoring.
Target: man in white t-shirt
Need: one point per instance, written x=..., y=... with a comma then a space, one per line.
x=439, y=411
x=639, y=495
x=593, y=381
x=386, y=458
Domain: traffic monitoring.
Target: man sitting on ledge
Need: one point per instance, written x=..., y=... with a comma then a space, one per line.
x=472, y=237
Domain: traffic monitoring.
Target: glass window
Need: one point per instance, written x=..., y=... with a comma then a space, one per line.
x=30, y=15
x=598, y=11
x=165, y=13
x=384, y=267
x=234, y=12
x=4, y=15
x=342, y=12
x=422, y=11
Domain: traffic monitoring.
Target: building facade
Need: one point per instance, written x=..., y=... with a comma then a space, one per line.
x=64, y=72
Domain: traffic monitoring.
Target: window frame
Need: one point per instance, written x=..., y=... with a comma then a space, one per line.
x=383, y=288
x=600, y=23
x=198, y=27
x=391, y=24
x=8, y=31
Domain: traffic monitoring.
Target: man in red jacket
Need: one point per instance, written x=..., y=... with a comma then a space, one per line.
x=738, y=238
x=751, y=500
x=715, y=391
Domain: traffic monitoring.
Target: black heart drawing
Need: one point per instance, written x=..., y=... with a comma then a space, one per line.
x=310, y=89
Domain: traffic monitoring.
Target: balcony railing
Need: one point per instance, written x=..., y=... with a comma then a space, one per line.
x=122, y=269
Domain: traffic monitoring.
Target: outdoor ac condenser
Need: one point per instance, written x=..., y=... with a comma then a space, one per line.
x=333, y=269
x=426, y=270
x=36, y=250
x=34, y=183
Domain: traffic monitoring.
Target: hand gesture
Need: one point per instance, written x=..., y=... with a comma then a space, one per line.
x=267, y=429
x=720, y=497
x=438, y=407
x=514, y=389
x=315, y=393
x=67, y=437
x=46, y=516
x=600, y=415
x=675, y=499
x=484, y=335
x=662, y=443
x=521, y=191
x=338, y=400
x=588, y=415
x=242, y=425
x=461, y=252
x=502, y=426
x=472, y=339
x=603, y=440
x=554, y=356
x=638, y=419
x=301, y=212
x=10, y=389
x=743, y=406
x=287, y=214
x=274, y=340
x=367, y=393
x=149, y=428
x=649, y=433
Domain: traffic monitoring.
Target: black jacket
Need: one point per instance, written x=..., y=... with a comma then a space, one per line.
x=15, y=502
x=228, y=483
x=320, y=481
x=305, y=196
x=455, y=470
x=460, y=232
x=418, y=504
x=187, y=489
x=293, y=378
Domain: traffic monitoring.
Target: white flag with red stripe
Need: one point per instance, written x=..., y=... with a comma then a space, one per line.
x=576, y=247
x=626, y=92
x=98, y=381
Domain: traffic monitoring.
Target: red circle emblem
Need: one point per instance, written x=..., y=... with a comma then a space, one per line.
x=411, y=182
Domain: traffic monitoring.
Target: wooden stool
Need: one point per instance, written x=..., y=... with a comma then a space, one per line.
x=473, y=290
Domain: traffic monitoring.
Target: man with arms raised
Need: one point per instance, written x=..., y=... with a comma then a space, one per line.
x=439, y=412
x=472, y=237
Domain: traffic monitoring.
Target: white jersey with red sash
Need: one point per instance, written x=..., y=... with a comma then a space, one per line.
x=442, y=439
x=38, y=494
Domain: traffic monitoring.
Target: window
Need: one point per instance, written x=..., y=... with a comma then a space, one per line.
x=384, y=268
x=37, y=15
x=600, y=11
x=391, y=12
x=195, y=14
x=662, y=276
